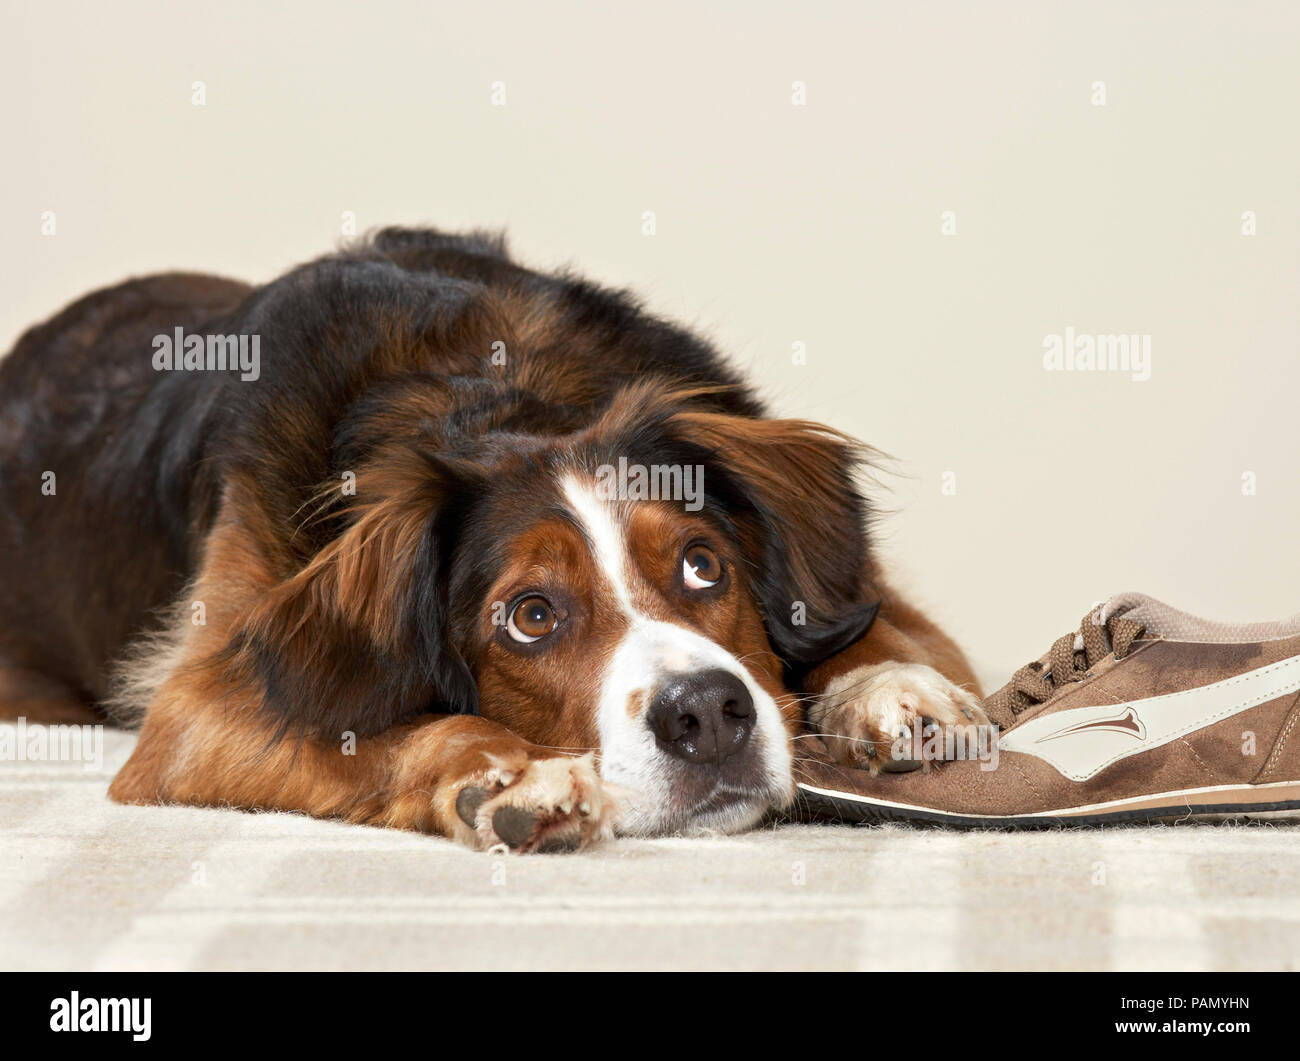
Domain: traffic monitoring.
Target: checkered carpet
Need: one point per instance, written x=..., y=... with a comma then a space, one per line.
x=86, y=884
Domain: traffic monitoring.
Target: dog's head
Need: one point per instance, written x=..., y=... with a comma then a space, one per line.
x=649, y=585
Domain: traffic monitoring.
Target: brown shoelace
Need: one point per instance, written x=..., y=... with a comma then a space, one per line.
x=1070, y=660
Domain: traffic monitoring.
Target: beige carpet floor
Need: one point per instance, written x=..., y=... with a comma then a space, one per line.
x=86, y=884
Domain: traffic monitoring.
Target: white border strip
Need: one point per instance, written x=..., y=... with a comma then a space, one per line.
x=1066, y=811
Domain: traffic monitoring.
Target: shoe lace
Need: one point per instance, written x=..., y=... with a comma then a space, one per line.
x=1072, y=657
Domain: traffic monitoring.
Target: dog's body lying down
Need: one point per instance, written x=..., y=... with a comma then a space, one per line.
x=469, y=549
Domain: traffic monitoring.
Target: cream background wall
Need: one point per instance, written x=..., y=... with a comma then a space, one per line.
x=1019, y=495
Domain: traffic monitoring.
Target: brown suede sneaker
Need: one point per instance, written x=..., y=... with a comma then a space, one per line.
x=1145, y=714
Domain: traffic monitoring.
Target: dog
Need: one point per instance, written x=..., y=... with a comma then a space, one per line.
x=415, y=536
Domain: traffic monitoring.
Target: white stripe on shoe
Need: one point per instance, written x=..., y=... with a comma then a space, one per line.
x=1081, y=742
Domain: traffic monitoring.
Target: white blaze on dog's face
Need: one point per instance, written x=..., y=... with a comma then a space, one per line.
x=631, y=627
x=682, y=721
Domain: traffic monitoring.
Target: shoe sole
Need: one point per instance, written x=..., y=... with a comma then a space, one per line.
x=1279, y=801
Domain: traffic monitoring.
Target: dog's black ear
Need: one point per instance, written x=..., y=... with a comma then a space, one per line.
x=790, y=488
x=357, y=640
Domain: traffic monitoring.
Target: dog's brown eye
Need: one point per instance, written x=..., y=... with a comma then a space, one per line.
x=701, y=567
x=532, y=618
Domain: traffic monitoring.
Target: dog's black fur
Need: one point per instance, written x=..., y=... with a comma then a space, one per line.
x=352, y=347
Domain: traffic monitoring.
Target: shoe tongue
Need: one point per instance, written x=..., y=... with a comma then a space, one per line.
x=1122, y=603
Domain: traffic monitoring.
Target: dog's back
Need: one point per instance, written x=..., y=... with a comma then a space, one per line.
x=111, y=468
x=96, y=446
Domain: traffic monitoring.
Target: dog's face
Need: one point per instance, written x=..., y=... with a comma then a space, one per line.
x=660, y=630
x=513, y=575
x=631, y=626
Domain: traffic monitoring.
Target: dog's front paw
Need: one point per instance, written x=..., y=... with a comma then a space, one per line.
x=867, y=717
x=552, y=804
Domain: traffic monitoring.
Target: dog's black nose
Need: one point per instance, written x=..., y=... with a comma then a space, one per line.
x=704, y=717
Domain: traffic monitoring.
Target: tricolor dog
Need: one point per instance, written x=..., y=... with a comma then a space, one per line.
x=470, y=549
